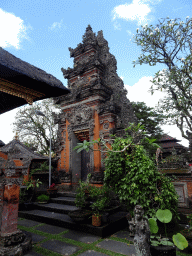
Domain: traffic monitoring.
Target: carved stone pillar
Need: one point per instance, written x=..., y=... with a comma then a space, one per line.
x=12, y=240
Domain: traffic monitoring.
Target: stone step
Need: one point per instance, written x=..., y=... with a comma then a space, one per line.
x=54, y=207
x=64, y=200
x=66, y=194
x=117, y=221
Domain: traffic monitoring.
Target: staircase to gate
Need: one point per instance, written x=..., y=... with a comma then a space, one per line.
x=56, y=213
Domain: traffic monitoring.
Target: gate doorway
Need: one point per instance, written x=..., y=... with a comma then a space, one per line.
x=85, y=164
x=80, y=162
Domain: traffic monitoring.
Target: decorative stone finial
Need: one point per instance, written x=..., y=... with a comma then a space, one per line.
x=89, y=36
x=16, y=136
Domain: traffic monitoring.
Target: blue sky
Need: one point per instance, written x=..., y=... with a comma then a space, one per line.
x=40, y=32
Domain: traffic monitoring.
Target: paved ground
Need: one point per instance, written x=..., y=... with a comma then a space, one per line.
x=56, y=241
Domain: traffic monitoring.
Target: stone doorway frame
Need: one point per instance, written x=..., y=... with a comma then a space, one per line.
x=75, y=158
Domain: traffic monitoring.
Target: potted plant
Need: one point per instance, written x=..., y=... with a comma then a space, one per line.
x=98, y=207
x=43, y=199
x=52, y=190
x=101, y=201
x=27, y=193
x=83, y=193
x=81, y=201
x=162, y=245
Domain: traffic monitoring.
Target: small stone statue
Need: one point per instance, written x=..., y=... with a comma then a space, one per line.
x=139, y=225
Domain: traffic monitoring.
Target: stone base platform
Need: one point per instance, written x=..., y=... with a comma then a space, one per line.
x=117, y=221
x=18, y=249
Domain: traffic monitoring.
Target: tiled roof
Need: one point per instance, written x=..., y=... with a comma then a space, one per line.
x=23, y=150
x=167, y=137
x=168, y=142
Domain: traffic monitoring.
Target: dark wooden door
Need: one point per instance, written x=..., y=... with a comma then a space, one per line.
x=85, y=164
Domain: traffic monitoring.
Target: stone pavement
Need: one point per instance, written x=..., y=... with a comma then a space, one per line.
x=51, y=240
x=56, y=241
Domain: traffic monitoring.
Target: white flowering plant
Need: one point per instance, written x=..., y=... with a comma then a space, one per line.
x=169, y=43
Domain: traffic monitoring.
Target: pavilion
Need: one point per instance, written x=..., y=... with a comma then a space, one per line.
x=20, y=83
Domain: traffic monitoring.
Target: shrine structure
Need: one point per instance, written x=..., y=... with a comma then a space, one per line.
x=20, y=83
x=96, y=107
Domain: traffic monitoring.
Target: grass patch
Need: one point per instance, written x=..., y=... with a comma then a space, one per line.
x=124, y=240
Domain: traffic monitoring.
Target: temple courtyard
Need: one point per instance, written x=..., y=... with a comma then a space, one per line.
x=55, y=241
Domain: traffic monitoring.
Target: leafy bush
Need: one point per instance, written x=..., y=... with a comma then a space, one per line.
x=136, y=180
x=43, y=198
x=132, y=174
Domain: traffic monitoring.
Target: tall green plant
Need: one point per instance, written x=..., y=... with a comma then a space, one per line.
x=134, y=177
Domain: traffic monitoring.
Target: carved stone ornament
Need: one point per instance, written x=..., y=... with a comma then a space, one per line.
x=80, y=114
x=64, y=177
x=106, y=126
x=97, y=177
x=140, y=227
x=18, y=243
x=12, y=181
x=12, y=239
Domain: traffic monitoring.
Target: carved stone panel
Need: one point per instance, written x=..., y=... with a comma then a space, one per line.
x=181, y=189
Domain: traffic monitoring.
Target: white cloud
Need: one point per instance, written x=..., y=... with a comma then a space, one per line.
x=140, y=92
x=57, y=25
x=143, y=86
x=6, y=130
x=12, y=30
x=137, y=10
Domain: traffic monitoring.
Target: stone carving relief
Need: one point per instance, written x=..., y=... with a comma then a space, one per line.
x=80, y=115
x=12, y=239
x=106, y=126
x=97, y=177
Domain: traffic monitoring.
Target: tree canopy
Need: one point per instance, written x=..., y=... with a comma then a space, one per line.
x=170, y=43
x=33, y=130
x=151, y=120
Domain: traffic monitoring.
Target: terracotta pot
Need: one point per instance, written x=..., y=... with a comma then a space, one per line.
x=163, y=250
x=96, y=220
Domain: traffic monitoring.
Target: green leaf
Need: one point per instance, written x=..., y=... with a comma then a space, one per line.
x=153, y=226
x=168, y=243
x=155, y=243
x=79, y=150
x=164, y=216
x=180, y=241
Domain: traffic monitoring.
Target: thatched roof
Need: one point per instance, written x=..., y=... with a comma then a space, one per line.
x=2, y=143
x=21, y=73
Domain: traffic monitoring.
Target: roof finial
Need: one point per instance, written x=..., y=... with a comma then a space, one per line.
x=89, y=36
x=16, y=136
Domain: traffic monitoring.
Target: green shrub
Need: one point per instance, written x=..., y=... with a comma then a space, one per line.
x=133, y=176
x=43, y=198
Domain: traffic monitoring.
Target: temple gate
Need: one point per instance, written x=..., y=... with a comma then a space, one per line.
x=96, y=107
